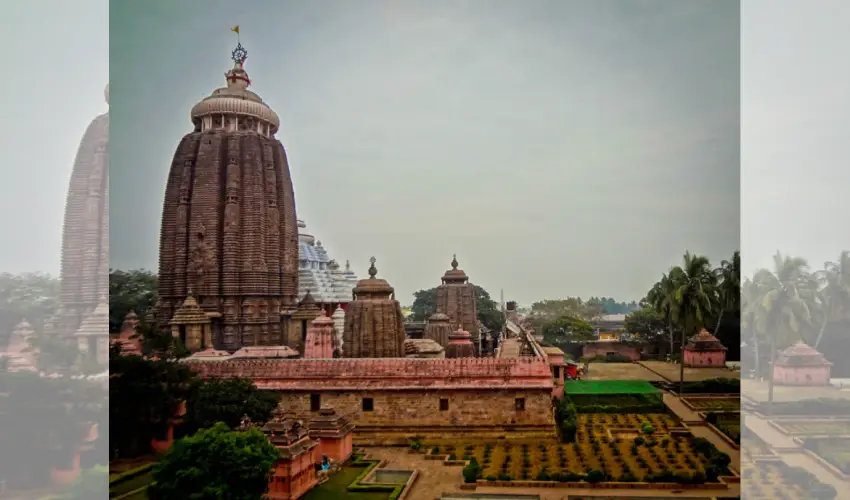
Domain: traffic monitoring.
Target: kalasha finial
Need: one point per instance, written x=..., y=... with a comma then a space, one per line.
x=454, y=261
x=373, y=271
x=347, y=265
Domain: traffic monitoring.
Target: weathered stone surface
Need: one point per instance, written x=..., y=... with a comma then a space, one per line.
x=374, y=323
x=460, y=345
x=84, y=275
x=438, y=329
x=320, y=338
x=423, y=348
x=456, y=299
x=229, y=230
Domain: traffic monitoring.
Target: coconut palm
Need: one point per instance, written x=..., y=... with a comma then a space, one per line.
x=834, y=295
x=661, y=297
x=728, y=287
x=788, y=294
x=693, y=300
x=750, y=302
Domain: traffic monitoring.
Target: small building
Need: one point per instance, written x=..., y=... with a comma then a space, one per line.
x=460, y=344
x=191, y=325
x=558, y=367
x=320, y=338
x=128, y=337
x=295, y=472
x=703, y=350
x=601, y=347
x=801, y=365
x=334, y=433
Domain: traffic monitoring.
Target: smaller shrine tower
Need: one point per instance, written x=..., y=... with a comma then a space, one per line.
x=456, y=299
x=703, y=350
x=460, y=345
x=294, y=474
x=320, y=338
x=801, y=365
x=374, y=323
x=438, y=328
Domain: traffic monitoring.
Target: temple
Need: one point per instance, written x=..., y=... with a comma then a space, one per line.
x=703, y=350
x=801, y=365
x=438, y=328
x=84, y=274
x=460, y=345
x=229, y=230
x=374, y=325
x=321, y=276
x=456, y=299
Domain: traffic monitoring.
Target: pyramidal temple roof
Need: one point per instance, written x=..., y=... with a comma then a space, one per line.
x=319, y=274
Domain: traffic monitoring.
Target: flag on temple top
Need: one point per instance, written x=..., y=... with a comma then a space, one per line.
x=235, y=29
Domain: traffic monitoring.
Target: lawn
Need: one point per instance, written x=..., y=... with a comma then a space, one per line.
x=834, y=451
x=623, y=459
x=337, y=486
x=609, y=387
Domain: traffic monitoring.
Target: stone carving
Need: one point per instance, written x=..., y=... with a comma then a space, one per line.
x=456, y=299
x=374, y=324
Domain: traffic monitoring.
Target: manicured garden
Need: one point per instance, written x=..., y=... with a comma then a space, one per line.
x=729, y=423
x=777, y=480
x=646, y=453
x=613, y=396
x=337, y=485
x=714, y=404
x=815, y=428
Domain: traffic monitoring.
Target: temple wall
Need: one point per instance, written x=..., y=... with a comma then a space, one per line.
x=397, y=416
x=603, y=348
x=705, y=359
x=802, y=375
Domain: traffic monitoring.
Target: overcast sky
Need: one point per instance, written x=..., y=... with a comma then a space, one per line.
x=559, y=148
x=54, y=73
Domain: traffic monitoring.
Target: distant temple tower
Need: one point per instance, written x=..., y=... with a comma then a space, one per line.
x=374, y=324
x=84, y=274
x=320, y=338
x=321, y=276
x=229, y=229
x=456, y=298
x=801, y=365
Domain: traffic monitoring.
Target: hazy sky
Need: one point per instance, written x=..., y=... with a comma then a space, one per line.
x=795, y=124
x=559, y=148
x=55, y=69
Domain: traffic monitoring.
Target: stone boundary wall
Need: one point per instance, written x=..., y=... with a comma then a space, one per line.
x=383, y=373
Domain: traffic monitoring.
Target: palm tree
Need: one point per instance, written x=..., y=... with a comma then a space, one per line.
x=750, y=301
x=661, y=298
x=694, y=298
x=728, y=287
x=788, y=294
x=834, y=294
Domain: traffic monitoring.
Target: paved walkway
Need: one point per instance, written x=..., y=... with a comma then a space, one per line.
x=699, y=428
x=776, y=440
x=509, y=348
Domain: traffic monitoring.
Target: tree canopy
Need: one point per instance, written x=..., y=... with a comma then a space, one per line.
x=215, y=463
x=134, y=290
x=567, y=328
x=227, y=401
x=30, y=296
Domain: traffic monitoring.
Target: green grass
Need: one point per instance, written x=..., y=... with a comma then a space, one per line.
x=609, y=387
x=337, y=487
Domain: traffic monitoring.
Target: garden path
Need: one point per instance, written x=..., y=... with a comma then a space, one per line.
x=699, y=429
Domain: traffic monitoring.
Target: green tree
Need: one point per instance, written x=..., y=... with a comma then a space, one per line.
x=728, y=291
x=567, y=328
x=214, y=464
x=787, y=295
x=834, y=293
x=144, y=394
x=694, y=299
x=227, y=400
x=130, y=290
x=425, y=304
x=662, y=296
x=649, y=325
x=30, y=296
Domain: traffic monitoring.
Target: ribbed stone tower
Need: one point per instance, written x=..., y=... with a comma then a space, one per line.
x=229, y=230
x=438, y=328
x=460, y=345
x=84, y=274
x=456, y=299
x=374, y=324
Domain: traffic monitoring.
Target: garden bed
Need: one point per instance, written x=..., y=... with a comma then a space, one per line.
x=725, y=403
x=596, y=456
x=613, y=396
x=836, y=452
x=728, y=423
x=768, y=480
x=812, y=427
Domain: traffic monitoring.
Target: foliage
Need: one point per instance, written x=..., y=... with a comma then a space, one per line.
x=30, y=296
x=567, y=328
x=215, y=463
x=565, y=416
x=606, y=358
x=143, y=395
x=713, y=386
x=134, y=290
x=649, y=325
x=472, y=471
x=617, y=403
x=425, y=304
x=227, y=400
